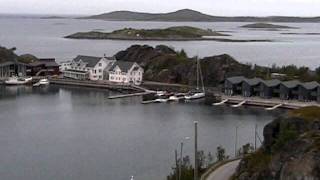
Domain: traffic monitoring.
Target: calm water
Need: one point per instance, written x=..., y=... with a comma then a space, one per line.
x=70, y=133
x=43, y=37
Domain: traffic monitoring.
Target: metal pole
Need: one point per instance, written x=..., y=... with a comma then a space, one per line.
x=180, y=162
x=236, y=143
x=255, y=137
x=176, y=158
x=195, y=150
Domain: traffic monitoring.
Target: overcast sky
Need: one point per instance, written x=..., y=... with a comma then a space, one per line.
x=213, y=7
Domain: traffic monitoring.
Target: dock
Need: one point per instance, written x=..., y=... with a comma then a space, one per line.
x=95, y=84
x=268, y=104
x=129, y=95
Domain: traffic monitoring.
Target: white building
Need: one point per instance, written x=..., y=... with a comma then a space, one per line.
x=87, y=67
x=126, y=72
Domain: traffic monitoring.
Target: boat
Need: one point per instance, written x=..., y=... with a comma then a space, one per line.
x=42, y=82
x=198, y=93
x=17, y=80
x=176, y=97
x=160, y=100
x=160, y=93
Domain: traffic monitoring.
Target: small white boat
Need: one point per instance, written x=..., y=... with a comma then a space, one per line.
x=194, y=96
x=176, y=97
x=161, y=93
x=160, y=100
x=17, y=81
x=198, y=94
x=42, y=82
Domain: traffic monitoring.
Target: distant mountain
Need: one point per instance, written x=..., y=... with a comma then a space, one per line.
x=191, y=15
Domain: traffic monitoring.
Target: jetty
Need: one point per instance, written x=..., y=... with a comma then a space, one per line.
x=129, y=95
x=268, y=104
x=95, y=84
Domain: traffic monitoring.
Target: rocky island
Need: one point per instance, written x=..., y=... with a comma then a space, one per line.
x=171, y=33
x=267, y=26
x=177, y=33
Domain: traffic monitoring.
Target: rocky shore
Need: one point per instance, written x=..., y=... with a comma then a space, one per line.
x=291, y=149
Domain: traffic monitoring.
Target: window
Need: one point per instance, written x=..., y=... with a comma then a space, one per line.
x=95, y=71
x=100, y=70
x=100, y=77
x=100, y=64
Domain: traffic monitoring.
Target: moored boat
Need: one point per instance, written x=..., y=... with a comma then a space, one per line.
x=17, y=80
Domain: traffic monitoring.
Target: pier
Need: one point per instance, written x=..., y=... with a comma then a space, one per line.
x=269, y=104
x=95, y=84
x=129, y=95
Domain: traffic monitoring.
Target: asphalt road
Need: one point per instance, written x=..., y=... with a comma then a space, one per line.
x=224, y=172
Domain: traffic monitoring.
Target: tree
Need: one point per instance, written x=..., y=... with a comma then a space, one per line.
x=221, y=154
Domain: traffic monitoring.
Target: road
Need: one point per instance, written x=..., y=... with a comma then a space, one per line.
x=224, y=172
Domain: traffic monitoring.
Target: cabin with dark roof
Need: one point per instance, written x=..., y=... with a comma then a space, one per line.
x=270, y=88
x=251, y=87
x=289, y=90
x=309, y=91
x=233, y=85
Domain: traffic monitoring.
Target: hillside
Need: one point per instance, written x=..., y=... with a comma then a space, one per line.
x=291, y=149
x=164, y=64
x=185, y=15
x=8, y=55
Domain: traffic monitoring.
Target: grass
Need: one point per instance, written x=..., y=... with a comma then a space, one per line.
x=310, y=113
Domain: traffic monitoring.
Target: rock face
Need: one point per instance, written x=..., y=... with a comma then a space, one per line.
x=291, y=150
x=163, y=64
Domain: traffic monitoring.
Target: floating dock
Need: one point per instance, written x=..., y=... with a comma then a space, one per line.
x=269, y=104
x=128, y=95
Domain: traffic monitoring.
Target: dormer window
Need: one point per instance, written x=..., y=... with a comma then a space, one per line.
x=100, y=64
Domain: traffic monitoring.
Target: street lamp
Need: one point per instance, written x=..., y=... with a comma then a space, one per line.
x=180, y=162
x=195, y=177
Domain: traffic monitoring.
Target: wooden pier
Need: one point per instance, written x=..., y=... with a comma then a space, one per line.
x=269, y=104
x=129, y=95
x=95, y=84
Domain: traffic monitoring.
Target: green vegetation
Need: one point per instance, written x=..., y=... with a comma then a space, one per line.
x=178, y=32
x=204, y=162
x=310, y=113
x=27, y=58
x=291, y=72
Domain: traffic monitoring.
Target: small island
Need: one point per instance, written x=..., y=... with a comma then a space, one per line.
x=171, y=33
x=267, y=26
x=177, y=33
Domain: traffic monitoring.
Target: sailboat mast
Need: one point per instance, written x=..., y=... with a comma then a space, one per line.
x=197, y=73
x=201, y=77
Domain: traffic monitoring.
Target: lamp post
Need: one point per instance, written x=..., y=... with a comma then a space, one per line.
x=180, y=162
x=195, y=177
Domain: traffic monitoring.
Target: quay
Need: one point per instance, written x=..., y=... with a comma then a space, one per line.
x=95, y=84
x=269, y=104
x=129, y=95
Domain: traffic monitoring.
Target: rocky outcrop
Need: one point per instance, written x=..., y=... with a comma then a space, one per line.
x=291, y=149
x=164, y=64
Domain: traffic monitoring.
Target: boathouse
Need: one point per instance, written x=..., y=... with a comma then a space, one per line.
x=270, y=88
x=289, y=90
x=251, y=87
x=309, y=91
x=11, y=68
x=43, y=67
x=233, y=85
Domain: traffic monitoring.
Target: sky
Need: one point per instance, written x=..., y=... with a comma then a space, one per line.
x=213, y=7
